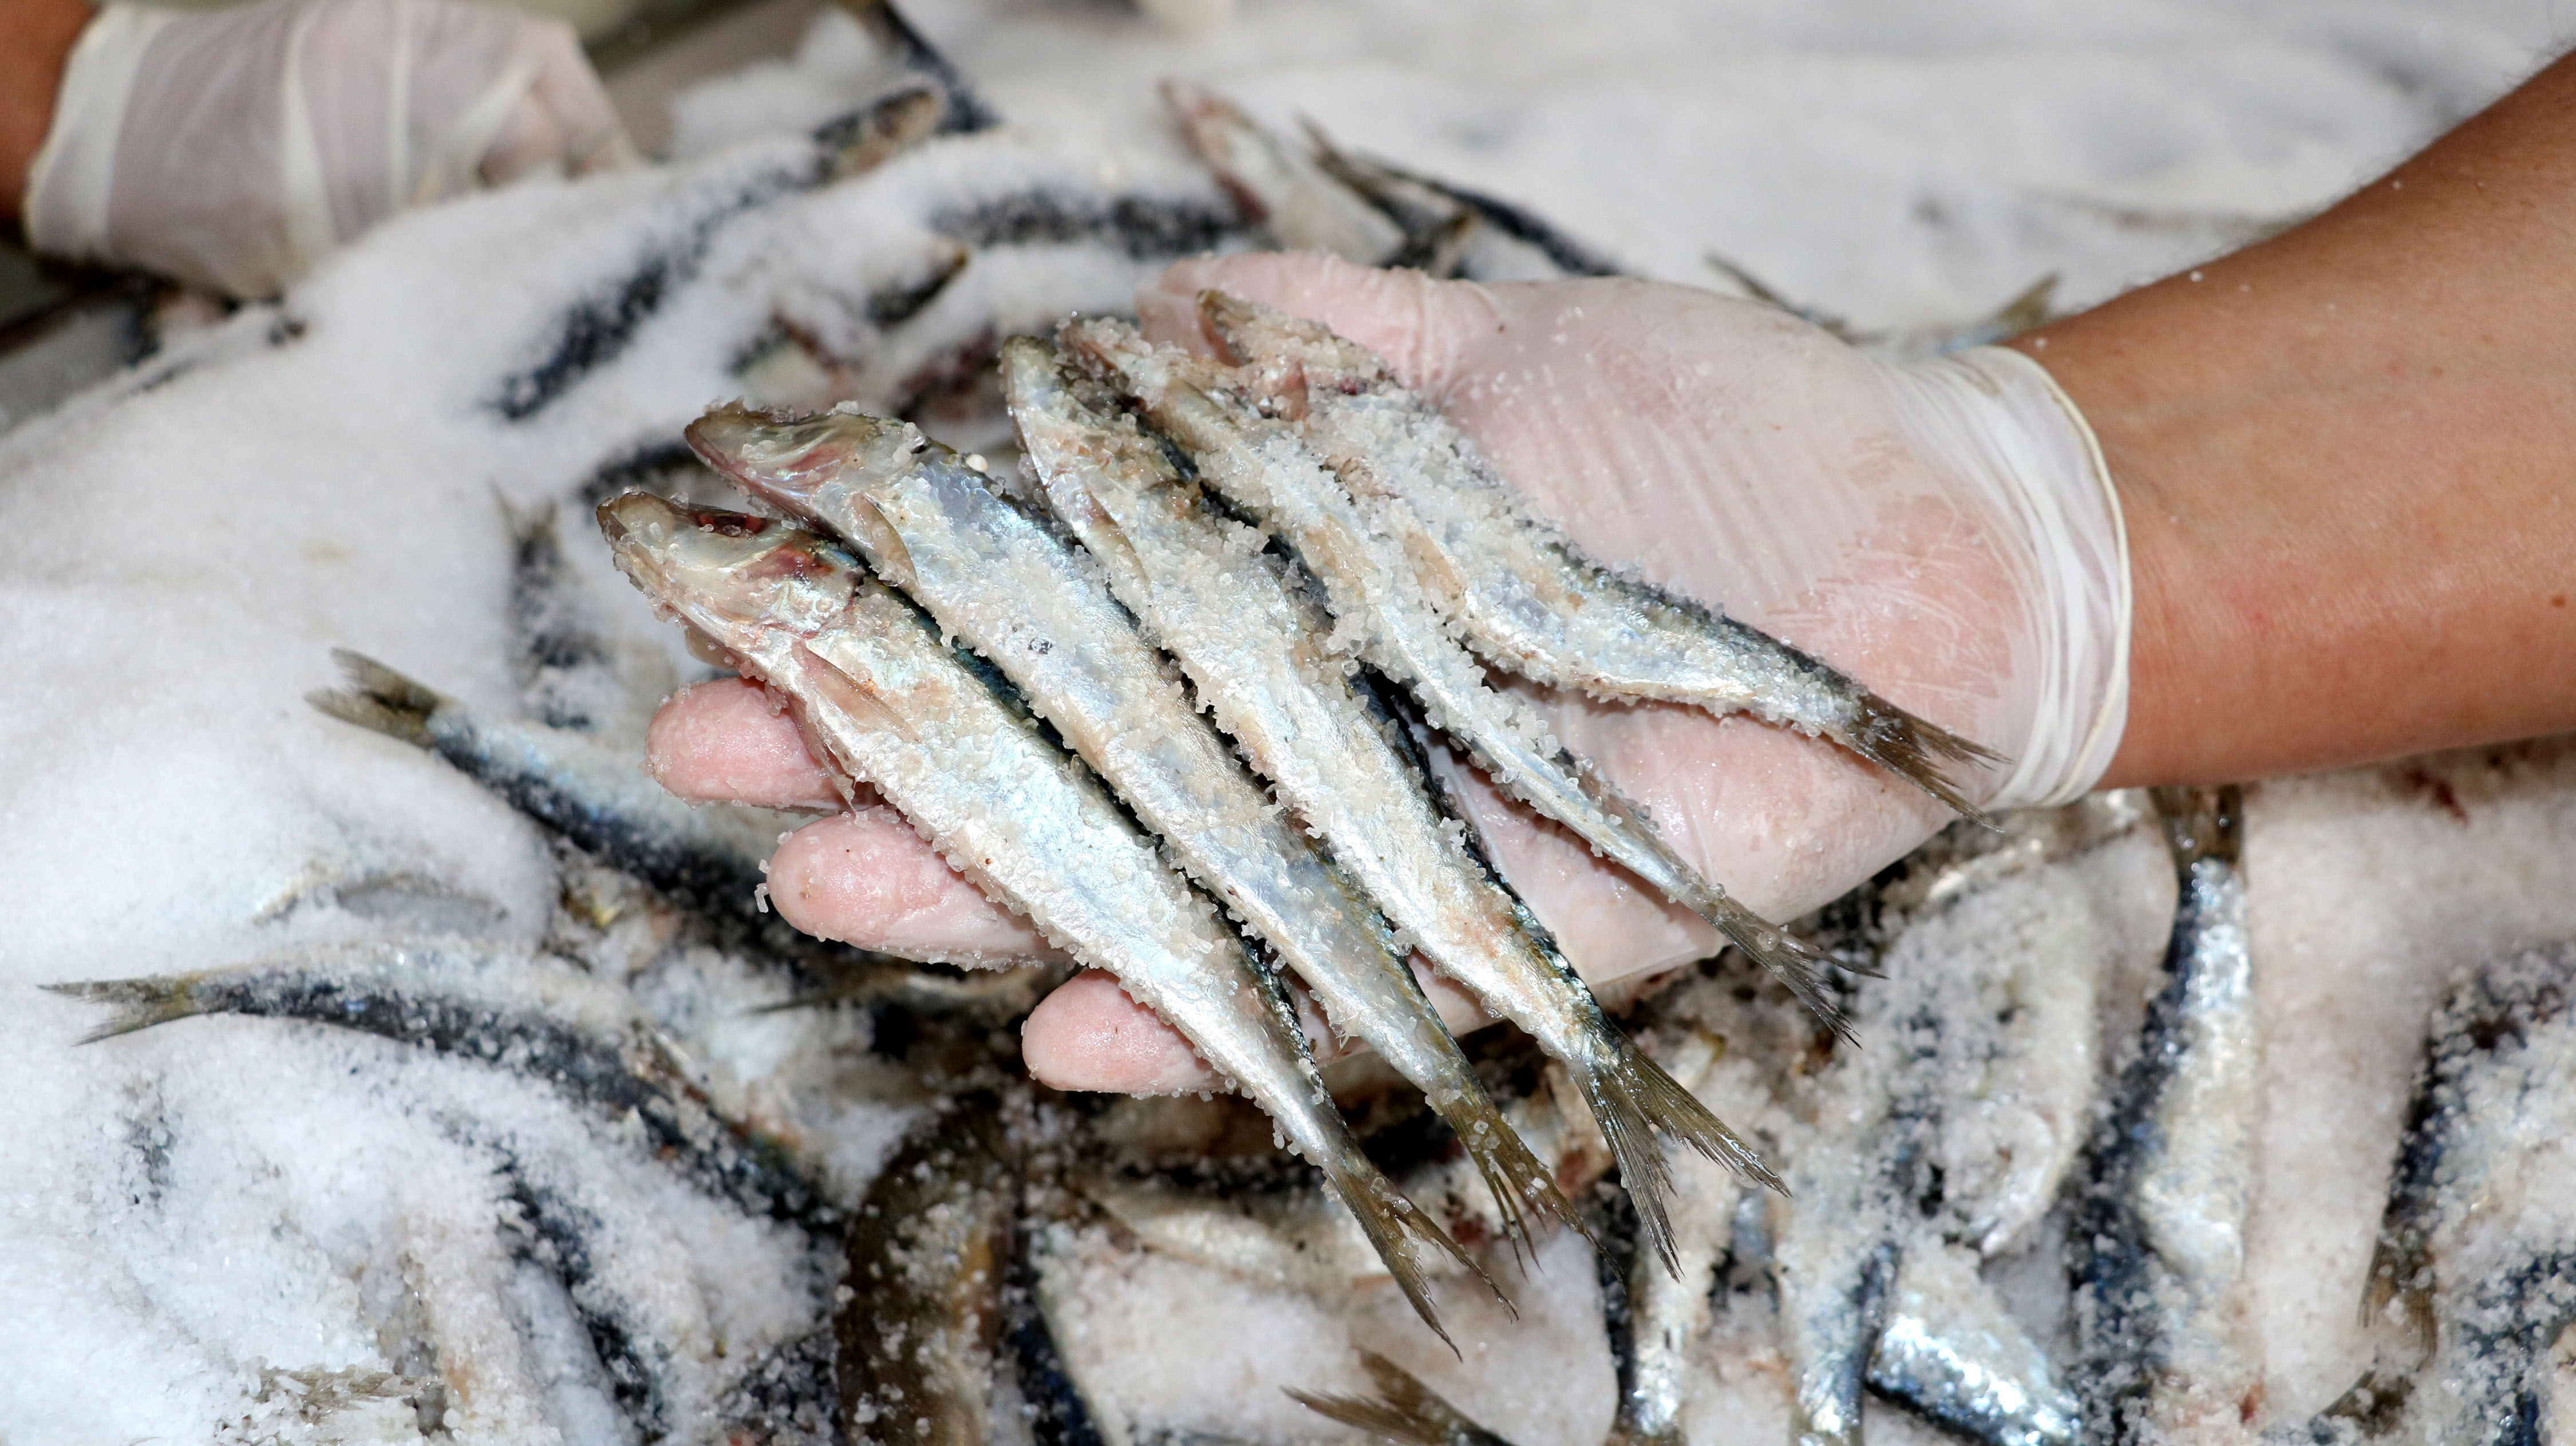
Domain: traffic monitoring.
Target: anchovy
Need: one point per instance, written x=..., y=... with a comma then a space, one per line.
x=1404, y=1411
x=529, y=1013
x=1303, y=208
x=1260, y=465
x=930, y=1251
x=1660, y=1316
x=950, y=747
x=1249, y=638
x=1451, y=232
x=2475, y=1267
x=885, y=127
x=1524, y=595
x=964, y=110
x=711, y=859
x=2159, y=1239
x=1038, y=610
x=1951, y=1142
x=1952, y=1354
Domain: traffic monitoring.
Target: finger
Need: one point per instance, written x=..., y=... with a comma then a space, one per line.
x=730, y=742
x=1089, y=1035
x=867, y=878
x=1427, y=330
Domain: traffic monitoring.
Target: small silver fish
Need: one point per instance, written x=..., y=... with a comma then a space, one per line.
x=1304, y=209
x=929, y=1261
x=1251, y=640
x=529, y=1013
x=1525, y=596
x=1385, y=617
x=2474, y=1273
x=1038, y=610
x=1949, y=1352
x=1454, y=232
x=2164, y=1347
x=949, y=746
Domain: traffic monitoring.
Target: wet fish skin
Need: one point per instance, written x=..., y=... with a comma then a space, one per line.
x=2159, y=1252
x=1020, y=596
x=1527, y=598
x=1250, y=637
x=930, y=1250
x=528, y=1013
x=950, y=747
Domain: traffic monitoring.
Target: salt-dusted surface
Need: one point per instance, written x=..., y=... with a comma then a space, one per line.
x=204, y=1220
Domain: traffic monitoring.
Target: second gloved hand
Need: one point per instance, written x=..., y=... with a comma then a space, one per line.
x=1942, y=531
x=233, y=148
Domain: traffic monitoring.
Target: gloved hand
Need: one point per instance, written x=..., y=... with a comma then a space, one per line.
x=1943, y=531
x=233, y=148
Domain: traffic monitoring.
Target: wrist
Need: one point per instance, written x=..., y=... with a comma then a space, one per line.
x=2025, y=462
x=35, y=49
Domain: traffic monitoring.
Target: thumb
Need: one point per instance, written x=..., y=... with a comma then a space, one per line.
x=1426, y=330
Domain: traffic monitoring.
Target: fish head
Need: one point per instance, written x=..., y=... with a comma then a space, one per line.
x=791, y=459
x=1095, y=463
x=732, y=576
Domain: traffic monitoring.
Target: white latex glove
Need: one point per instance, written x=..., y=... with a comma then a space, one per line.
x=233, y=148
x=1943, y=531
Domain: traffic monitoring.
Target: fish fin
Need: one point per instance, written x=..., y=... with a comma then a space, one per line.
x=378, y=698
x=1791, y=960
x=1632, y=1097
x=1517, y=1178
x=1404, y=1236
x=1920, y=752
x=139, y=1003
x=1406, y=1410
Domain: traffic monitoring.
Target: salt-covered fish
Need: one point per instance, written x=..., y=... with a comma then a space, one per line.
x=1252, y=641
x=2164, y=1348
x=1522, y=593
x=570, y=672
x=1303, y=208
x=1038, y=610
x=2474, y=1274
x=1384, y=617
x=929, y=1261
x=947, y=743
x=528, y=1013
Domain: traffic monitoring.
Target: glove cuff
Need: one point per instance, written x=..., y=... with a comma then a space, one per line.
x=2015, y=441
x=74, y=173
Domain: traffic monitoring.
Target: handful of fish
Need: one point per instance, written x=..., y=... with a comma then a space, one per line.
x=1184, y=747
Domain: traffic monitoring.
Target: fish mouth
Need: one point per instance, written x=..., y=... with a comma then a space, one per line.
x=723, y=570
x=787, y=457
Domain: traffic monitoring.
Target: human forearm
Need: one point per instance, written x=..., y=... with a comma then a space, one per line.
x=2348, y=462
x=36, y=38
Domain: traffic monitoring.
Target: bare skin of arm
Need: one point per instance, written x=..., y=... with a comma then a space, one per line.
x=2347, y=458
x=36, y=39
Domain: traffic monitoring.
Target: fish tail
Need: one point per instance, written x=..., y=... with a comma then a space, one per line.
x=138, y=1003
x=1405, y=1410
x=1632, y=1097
x=378, y=698
x=1791, y=960
x=1517, y=1177
x=1404, y=1235
x=1921, y=752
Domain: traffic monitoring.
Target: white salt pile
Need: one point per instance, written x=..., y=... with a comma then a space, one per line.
x=234, y=1229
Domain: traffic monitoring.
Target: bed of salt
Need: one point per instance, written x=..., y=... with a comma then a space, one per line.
x=203, y=1221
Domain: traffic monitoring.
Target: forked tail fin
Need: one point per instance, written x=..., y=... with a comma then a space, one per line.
x=1406, y=1411
x=1406, y=1238
x=1632, y=1097
x=1920, y=752
x=378, y=698
x=1518, y=1178
x=138, y=1003
x=1792, y=960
